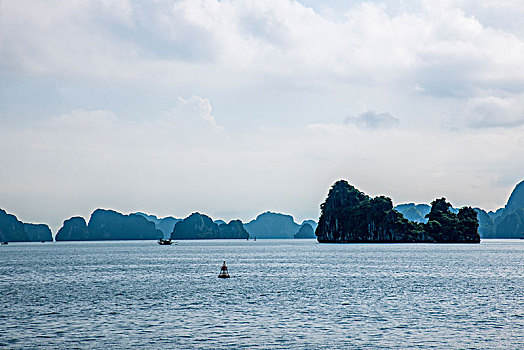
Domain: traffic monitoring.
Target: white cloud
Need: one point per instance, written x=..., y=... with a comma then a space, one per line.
x=495, y=111
x=437, y=45
x=270, y=68
x=86, y=159
x=195, y=106
x=373, y=120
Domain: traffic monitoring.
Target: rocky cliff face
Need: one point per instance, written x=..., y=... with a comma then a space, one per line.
x=14, y=230
x=305, y=231
x=233, y=230
x=349, y=215
x=196, y=226
x=73, y=229
x=11, y=229
x=272, y=225
x=511, y=225
x=507, y=220
x=111, y=225
x=200, y=226
x=516, y=199
x=166, y=225
x=311, y=223
x=38, y=232
x=486, y=225
x=108, y=225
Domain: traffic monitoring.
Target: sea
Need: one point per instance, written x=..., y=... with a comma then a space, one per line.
x=282, y=294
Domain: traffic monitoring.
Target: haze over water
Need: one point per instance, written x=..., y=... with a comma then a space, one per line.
x=283, y=294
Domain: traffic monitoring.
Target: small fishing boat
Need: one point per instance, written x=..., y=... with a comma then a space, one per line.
x=162, y=241
x=224, y=273
x=5, y=243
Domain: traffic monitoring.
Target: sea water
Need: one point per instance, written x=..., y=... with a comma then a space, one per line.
x=282, y=294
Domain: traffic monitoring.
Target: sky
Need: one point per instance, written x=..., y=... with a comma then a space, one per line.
x=232, y=108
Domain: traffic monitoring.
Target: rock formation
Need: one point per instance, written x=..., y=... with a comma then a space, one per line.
x=311, y=223
x=11, y=229
x=516, y=199
x=233, y=230
x=486, y=225
x=166, y=225
x=195, y=226
x=507, y=221
x=511, y=225
x=200, y=226
x=305, y=231
x=73, y=229
x=350, y=216
x=14, y=230
x=111, y=225
x=38, y=232
x=272, y=225
x=108, y=225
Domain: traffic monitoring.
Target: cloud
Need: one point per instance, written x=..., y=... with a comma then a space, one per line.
x=281, y=77
x=372, y=120
x=495, y=111
x=81, y=120
x=437, y=46
x=170, y=165
x=195, y=106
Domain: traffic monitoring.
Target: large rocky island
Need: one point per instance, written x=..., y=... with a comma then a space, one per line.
x=350, y=216
x=14, y=230
x=272, y=225
x=108, y=225
x=200, y=226
x=166, y=225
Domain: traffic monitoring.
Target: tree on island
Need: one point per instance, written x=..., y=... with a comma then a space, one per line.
x=446, y=226
x=349, y=215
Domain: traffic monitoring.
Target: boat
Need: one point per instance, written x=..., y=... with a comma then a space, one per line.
x=162, y=241
x=224, y=273
x=5, y=243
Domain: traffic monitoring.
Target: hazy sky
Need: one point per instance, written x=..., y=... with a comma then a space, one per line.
x=233, y=107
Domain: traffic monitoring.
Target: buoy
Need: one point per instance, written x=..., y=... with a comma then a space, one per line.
x=223, y=271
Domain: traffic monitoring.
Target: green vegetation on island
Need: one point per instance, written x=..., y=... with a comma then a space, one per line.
x=350, y=216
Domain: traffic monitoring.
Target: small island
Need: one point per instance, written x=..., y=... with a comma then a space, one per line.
x=200, y=226
x=350, y=216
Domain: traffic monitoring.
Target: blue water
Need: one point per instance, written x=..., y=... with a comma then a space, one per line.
x=283, y=294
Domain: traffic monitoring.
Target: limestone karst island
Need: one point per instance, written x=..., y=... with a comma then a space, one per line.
x=347, y=216
x=350, y=216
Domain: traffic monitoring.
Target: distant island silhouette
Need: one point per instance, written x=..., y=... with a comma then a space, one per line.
x=14, y=230
x=200, y=226
x=368, y=219
x=108, y=225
